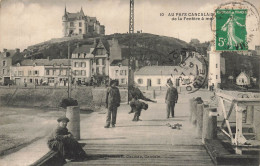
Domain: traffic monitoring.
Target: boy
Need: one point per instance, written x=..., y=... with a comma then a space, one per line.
x=62, y=141
x=113, y=100
x=137, y=108
x=135, y=91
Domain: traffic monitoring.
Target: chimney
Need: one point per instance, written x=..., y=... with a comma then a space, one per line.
x=17, y=50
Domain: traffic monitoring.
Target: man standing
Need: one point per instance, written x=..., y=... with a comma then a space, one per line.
x=112, y=102
x=170, y=99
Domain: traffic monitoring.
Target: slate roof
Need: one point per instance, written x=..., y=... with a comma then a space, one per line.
x=165, y=70
x=45, y=62
x=117, y=61
x=84, y=49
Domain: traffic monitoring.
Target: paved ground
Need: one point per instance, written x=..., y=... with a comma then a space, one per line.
x=150, y=133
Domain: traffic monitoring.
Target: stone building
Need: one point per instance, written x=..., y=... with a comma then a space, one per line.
x=7, y=59
x=118, y=70
x=90, y=60
x=80, y=24
x=40, y=71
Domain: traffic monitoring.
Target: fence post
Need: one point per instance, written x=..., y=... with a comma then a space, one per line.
x=250, y=114
x=73, y=114
x=209, y=130
x=194, y=112
x=199, y=119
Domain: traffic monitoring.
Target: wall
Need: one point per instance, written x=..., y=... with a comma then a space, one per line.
x=51, y=97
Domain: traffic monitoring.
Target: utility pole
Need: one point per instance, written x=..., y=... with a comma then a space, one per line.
x=131, y=17
x=131, y=31
x=68, y=70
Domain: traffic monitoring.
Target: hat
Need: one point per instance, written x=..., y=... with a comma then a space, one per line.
x=63, y=119
x=112, y=82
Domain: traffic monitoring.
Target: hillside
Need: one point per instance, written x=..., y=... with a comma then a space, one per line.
x=144, y=47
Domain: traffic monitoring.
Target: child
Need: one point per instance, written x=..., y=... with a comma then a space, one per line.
x=62, y=141
x=137, y=108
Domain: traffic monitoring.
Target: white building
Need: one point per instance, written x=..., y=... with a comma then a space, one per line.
x=216, y=66
x=158, y=75
x=40, y=70
x=118, y=70
x=243, y=79
x=90, y=60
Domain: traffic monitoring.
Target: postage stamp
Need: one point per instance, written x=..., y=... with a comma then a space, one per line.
x=231, y=31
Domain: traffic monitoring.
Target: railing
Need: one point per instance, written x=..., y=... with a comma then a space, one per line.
x=238, y=104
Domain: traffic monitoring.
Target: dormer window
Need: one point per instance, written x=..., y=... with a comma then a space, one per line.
x=4, y=63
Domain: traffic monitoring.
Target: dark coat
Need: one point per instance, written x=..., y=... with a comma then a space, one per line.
x=68, y=147
x=113, y=96
x=171, y=94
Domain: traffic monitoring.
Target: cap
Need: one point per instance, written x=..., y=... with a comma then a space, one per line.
x=63, y=119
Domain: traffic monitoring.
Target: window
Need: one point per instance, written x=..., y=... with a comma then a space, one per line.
x=80, y=24
x=97, y=70
x=3, y=71
x=72, y=24
x=123, y=81
x=140, y=81
x=54, y=72
x=80, y=31
x=103, y=70
x=76, y=72
x=36, y=72
x=116, y=72
x=47, y=72
x=4, y=63
x=29, y=72
x=31, y=80
x=97, y=61
x=159, y=81
x=83, y=72
x=216, y=76
x=216, y=65
x=76, y=64
x=61, y=72
x=20, y=73
x=83, y=64
x=103, y=61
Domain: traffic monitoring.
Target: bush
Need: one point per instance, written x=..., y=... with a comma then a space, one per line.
x=68, y=102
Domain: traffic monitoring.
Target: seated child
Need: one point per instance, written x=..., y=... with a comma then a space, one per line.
x=62, y=141
x=137, y=108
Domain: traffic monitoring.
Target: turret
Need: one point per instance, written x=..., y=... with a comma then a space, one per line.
x=65, y=16
x=65, y=22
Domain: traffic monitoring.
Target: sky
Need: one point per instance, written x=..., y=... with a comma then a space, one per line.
x=27, y=22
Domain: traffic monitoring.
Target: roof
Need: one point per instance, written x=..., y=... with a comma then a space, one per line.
x=243, y=73
x=45, y=62
x=164, y=70
x=84, y=49
x=116, y=62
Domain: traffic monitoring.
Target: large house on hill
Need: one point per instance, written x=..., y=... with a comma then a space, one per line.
x=80, y=24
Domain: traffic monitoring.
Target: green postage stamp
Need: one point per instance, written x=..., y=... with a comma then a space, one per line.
x=231, y=30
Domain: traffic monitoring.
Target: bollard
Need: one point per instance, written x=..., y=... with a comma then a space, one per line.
x=199, y=119
x=209, y=127
x=73, y=114
x=250, y=114
x=153, y=93
x=191, y=108
x=194, y=113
